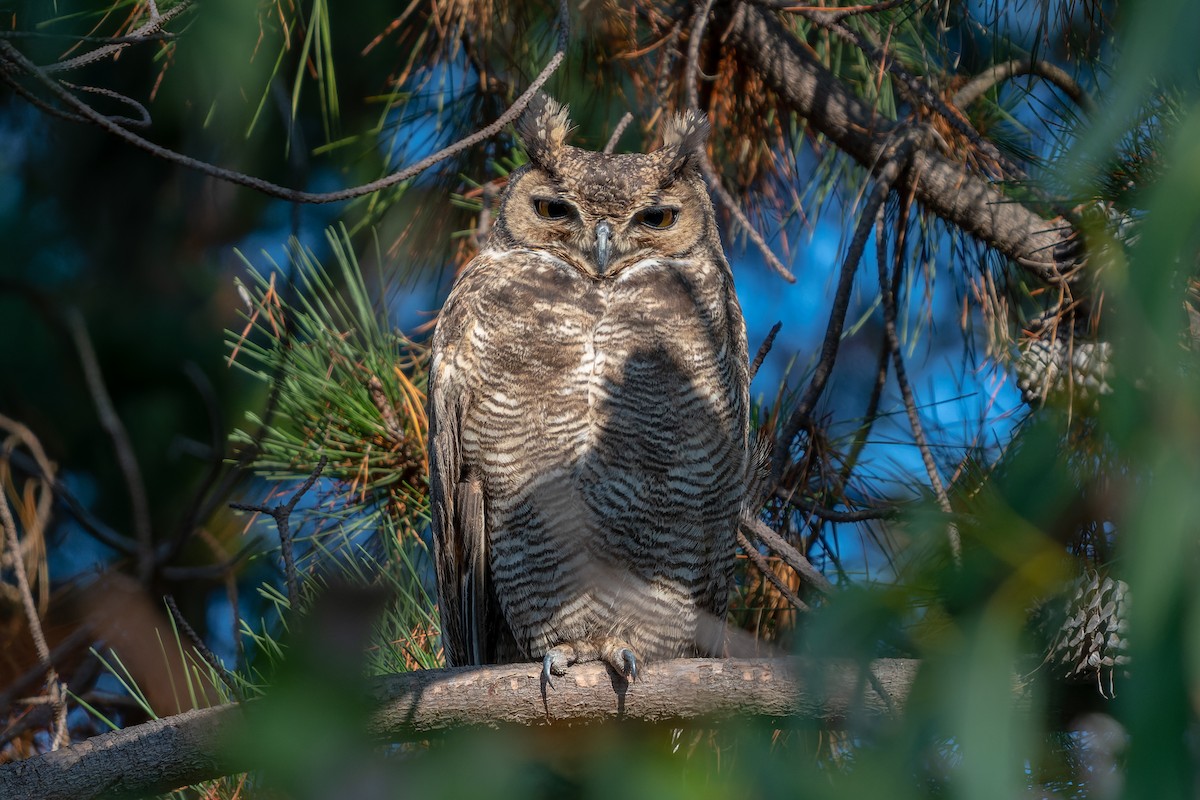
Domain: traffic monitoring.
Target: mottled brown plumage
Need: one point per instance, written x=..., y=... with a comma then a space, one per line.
x=588, y=413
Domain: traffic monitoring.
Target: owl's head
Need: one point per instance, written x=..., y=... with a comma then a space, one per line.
x=602, y=212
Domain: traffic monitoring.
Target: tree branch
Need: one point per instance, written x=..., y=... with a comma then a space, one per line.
x=949, y=189
x=187, y=748
x=11, y=59
x=906, y=392
x=110, y=421
x=981, y=83
x=282, y=513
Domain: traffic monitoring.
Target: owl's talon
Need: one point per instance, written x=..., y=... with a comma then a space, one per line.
x=630, y=662
x=547, y=669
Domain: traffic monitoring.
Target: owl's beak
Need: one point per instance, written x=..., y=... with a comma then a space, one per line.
x=603, y=246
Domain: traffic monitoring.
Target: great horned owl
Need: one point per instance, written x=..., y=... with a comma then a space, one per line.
x=588, y=413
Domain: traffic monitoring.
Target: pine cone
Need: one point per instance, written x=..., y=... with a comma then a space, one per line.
x=1089, y=643
x=1046, y=366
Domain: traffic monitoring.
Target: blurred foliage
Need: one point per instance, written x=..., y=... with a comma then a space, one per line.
x=311, y=95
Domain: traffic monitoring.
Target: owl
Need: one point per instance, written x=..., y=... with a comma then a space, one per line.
x=588, y=413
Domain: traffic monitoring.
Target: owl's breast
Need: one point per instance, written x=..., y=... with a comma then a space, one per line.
x=633, y=369
x=525, y=355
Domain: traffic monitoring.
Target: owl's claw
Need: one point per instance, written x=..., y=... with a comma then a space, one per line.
x=629, y=660
x=620, y=656
x=547, y=669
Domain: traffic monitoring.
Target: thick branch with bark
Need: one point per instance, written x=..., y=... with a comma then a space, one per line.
x=187, y=748
x=949, y=189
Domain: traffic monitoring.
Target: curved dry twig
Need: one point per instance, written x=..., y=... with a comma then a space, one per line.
x=12, y=57
x=142, y=120
x=55, y=694
x=998, y=73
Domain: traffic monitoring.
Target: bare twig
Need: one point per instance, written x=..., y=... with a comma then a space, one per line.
x=210, y=572
x=910, y=405
x=87, y=521
x=617, y=131
x=281, y=514
x=999, y=73
x=208, y=655
x=12, y=57
x=885, y=350
x=387, y=411
x=706, y=165
x=756, y=528
x=216, y=443
x=147, y=32
x=763, y=349
x=111, y=422
x=142, y=120
x=835, y=14
x=830, y=515
x=886, y=177
x=761, y=564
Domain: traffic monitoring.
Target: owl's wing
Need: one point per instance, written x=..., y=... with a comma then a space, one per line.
x=459, y=533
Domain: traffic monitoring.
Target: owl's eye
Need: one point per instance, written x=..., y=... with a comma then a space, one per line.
x=551, y=209
x=659, y=217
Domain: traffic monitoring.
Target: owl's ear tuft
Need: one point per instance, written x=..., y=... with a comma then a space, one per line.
x=686, y=135
x=543, y=128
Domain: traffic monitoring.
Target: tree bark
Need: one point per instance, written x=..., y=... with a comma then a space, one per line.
x=187, y=748
x=946, y=187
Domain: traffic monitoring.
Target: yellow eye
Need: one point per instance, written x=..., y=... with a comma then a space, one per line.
x=551, y=209
x=659, y=217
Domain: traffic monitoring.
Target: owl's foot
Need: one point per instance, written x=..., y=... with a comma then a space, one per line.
x=557, y=660
x=612, y=651
x=620, y=656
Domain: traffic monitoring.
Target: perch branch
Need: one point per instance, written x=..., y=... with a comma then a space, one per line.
x=164, y=754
